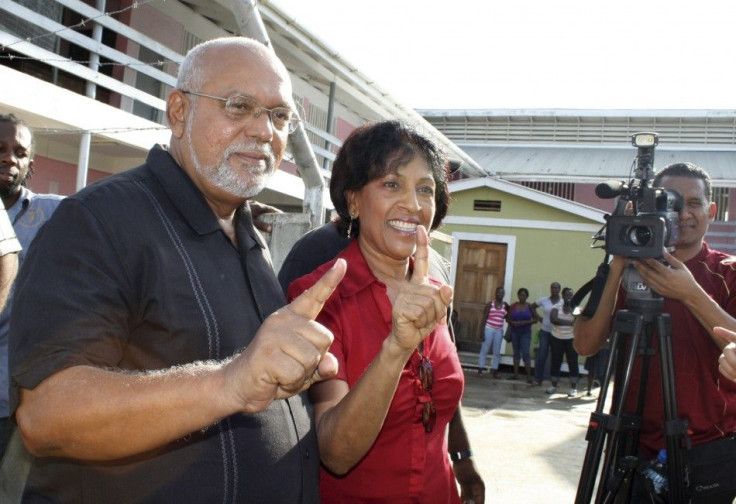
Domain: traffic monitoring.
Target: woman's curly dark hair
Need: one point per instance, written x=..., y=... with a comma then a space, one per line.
x=376, y=149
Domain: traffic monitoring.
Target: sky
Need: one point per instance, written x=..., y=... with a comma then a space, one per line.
x=510, y=54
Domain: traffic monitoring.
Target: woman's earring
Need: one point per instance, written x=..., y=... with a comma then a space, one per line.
x=350, y=226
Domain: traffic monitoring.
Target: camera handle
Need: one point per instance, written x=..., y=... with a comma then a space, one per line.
x=618, y=431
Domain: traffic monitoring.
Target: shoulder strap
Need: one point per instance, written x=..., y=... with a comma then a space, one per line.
x=450, y=327
x=594, y=286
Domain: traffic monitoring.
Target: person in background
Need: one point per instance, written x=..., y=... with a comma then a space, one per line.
x=595, y=365
x=547, y=304
x=312, y=250
x=152, y=356
x=382, y=422
x=495, y=315
x=698, y=285
x=521, y=317
x=561, y=344
x=9, y=248
x=28, y=212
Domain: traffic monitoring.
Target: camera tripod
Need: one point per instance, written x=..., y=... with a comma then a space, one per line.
x=618, y=431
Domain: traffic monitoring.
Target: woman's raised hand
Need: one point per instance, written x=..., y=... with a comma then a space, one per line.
x=419, y=305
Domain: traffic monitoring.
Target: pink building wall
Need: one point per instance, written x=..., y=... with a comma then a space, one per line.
x=343, y=129
x=57, y=177
x=585, y=195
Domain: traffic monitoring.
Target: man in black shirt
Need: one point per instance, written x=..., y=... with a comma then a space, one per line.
x=153, y=360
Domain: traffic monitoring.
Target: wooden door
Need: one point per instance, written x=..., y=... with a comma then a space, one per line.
x=481, y=268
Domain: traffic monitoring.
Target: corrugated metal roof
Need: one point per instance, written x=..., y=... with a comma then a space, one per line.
x=581, y=164
x=589, y=145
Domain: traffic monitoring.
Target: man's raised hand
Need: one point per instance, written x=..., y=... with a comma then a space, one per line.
x=289, y=351
x=727, y=360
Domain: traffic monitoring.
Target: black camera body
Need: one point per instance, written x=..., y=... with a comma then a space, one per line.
x=653, y=223
x=642, y=235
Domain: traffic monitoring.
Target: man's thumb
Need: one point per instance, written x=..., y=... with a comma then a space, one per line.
x=724, y=333
x=311, y=301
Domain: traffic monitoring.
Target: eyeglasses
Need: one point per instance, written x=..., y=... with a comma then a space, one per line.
x=426, y=377
x=244, y=109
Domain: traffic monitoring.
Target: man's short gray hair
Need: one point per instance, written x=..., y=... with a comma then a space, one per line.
x=191, y=76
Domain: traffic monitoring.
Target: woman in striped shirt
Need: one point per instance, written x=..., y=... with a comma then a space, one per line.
x=492, y=335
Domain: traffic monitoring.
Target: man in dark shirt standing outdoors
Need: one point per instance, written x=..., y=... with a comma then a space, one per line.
x=27, y=212
x=152, y=359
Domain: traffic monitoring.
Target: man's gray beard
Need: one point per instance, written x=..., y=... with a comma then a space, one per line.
x=226, y=177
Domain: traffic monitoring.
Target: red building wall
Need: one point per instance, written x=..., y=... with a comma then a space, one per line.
x=585, y=195
x=57, y=177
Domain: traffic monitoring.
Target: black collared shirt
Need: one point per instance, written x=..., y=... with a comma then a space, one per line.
x=135, y=273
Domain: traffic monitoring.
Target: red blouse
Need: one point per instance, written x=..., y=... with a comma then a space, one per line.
x=405, y=464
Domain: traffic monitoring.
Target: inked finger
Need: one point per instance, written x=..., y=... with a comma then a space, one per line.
x=311, y=301
x=421, y=258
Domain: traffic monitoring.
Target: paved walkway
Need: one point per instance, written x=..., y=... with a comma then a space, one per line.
x=528, y=445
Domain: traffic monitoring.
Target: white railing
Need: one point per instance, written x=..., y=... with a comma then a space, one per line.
x=162, y=71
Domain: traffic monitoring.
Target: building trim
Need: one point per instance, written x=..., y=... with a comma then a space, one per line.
x=526, y=193
x=521, y=224
x=508, y=240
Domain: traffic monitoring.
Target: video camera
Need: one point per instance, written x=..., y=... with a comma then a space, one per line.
x=652, y=222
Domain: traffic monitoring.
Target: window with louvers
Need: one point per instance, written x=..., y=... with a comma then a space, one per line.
x=561, y=189
x=487, y=205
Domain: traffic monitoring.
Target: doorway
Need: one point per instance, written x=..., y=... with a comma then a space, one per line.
x=482, y=263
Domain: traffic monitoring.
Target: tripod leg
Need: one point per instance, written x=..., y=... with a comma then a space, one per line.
x=597, y=430
x=675, y=428
x=617, y=466
x=610, y=426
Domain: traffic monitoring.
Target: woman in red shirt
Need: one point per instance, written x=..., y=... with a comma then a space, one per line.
x=382, y=421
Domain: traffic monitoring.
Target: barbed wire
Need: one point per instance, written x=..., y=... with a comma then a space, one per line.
x=10, y=57
x=83, y=22
x=112, y=130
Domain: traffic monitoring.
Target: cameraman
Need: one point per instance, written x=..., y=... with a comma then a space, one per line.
x=699, y=288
